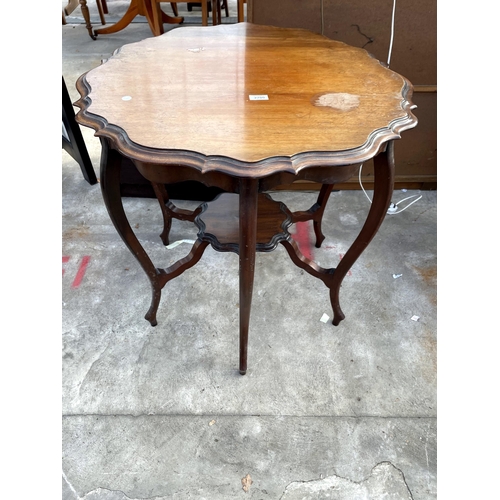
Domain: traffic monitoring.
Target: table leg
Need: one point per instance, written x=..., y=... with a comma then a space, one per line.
x=110, y=187
x=171, y=20
x=382, y=194
x=169, y=211
x=156, y=23
x=141, y=8
x=247, y=246
x=100, y=8
x=204, y=13
x=163, y=199
x=216, y=18
x=157, y=18
x=324, y=195
x=128, y=17
x=316, y=213
x=332, y=278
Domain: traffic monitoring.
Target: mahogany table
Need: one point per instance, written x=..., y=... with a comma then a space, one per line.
x=245, y=108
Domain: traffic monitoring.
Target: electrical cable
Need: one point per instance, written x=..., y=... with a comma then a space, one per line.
x=392, y=32
x=392, y=206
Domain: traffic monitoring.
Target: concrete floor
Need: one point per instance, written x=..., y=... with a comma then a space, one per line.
x=324, y=412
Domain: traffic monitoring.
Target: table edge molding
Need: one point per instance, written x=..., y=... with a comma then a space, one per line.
x=119, y=140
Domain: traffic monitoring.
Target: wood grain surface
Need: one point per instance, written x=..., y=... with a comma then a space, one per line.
x=190, y=91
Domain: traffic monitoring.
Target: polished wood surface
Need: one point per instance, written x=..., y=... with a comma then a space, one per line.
x=324, y=97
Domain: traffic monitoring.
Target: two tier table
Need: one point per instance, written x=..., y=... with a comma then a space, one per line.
x=245, y=108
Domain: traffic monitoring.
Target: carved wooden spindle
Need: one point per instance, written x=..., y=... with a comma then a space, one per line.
x=86, y=16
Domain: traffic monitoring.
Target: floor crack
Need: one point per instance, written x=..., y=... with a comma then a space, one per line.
x=329, y=479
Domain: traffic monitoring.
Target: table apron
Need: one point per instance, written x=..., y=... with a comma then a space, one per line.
x=167, y=174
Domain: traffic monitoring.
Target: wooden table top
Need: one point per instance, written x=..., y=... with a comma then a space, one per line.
x=190, y=90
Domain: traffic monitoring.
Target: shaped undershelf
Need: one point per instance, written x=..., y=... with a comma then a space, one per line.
x=219, y=223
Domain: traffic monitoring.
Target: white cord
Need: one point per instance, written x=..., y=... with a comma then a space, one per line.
x=409, y=204
x=392, y=204
x=392, y=32
x=361, y=184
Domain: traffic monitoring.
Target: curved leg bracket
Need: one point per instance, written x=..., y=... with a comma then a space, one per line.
x=326, y=275
x=166, y=275
x=315, y=213
x=169, y=211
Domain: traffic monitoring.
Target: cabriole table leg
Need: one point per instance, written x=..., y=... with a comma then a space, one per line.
x=110, y=187
x=382, y=193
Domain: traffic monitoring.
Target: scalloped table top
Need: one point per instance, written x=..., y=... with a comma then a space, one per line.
x=248, y=93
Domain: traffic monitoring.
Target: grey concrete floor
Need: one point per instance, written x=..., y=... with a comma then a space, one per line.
x=324, y=412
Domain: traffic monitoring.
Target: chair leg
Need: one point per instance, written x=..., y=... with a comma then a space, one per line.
x=226, y=8
x=101, y=11
x=204, y=13
x=219, y=13
x=86, y=16
x=174, y=9
x=241, y=12
x=104, y=6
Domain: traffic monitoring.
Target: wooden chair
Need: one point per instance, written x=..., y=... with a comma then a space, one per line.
x=102, y=7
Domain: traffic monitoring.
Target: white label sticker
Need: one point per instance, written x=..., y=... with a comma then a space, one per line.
x=324, y=318
x=262, y=97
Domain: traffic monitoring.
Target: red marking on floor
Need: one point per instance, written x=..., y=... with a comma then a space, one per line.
x=81, y=271
x=303, y=239
x=341, y=257
x=64, y=260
